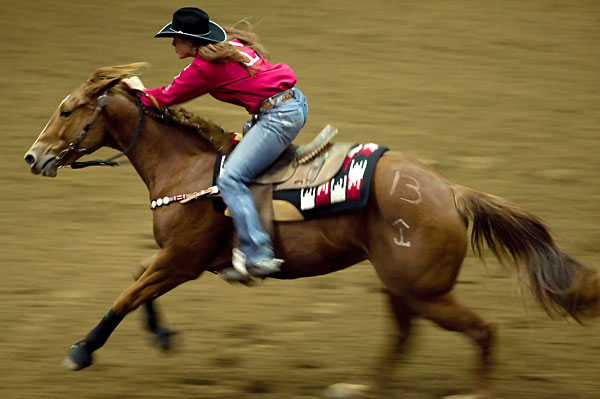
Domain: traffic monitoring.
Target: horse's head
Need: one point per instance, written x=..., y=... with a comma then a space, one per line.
x=77, y=126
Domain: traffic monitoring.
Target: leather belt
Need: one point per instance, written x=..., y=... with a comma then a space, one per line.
x=274, y=101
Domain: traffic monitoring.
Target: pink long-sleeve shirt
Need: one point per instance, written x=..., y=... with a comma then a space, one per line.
x=226, y=81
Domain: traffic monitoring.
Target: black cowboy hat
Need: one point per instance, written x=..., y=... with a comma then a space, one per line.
x=193, y=23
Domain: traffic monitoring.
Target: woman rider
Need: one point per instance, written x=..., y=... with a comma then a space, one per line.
x=232, y=66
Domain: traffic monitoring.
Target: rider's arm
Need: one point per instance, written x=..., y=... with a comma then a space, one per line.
x=192, y=82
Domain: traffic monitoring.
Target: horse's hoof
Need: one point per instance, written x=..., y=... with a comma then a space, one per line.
x=163, y=339
x=78, y=357
x=345, y=391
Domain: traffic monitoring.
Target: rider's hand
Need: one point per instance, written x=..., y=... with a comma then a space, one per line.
x=134, y=83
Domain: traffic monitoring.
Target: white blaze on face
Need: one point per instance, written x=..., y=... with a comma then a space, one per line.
x=47, y=123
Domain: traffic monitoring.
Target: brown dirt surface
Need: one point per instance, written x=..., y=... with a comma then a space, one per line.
x=503, y=97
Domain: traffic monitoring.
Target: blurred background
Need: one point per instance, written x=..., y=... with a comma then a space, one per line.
x=503, y=97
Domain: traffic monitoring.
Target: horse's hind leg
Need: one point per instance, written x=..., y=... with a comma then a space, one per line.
x=397, y=345
x=448, y=313
x=387, y=362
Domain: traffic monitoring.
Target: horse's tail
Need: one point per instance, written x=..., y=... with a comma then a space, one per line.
x=560, y=284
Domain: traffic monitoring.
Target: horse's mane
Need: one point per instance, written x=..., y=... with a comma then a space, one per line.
x=210, y=131
x=175, y=115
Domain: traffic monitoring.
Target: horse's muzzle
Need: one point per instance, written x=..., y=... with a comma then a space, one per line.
x=41, y=162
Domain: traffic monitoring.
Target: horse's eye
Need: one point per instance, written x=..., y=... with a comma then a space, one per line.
x=65, y=114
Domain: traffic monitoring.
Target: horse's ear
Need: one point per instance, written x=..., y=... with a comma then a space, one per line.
x=94, y=88
x=111, y=84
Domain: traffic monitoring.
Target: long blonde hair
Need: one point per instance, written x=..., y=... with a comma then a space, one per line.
x=224, y=52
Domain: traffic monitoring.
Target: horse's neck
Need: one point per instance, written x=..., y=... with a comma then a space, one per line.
x=167, y=158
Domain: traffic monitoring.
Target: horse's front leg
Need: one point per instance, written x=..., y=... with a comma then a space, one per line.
x=163, y=337
x=165, y=273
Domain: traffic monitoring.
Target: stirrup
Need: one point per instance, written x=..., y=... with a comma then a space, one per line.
x=261, y=268
x=265, y=268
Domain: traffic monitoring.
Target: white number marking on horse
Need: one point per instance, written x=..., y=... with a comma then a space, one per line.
x=416, y=187
x=395, y=183
x=400, y=242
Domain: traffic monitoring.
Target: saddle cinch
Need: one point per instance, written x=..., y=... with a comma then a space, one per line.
x=300, y=166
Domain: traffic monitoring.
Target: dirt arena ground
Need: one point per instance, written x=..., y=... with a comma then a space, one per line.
x=503, y=97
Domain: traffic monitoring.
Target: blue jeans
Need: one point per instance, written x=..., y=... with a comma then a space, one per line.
x=273, y=131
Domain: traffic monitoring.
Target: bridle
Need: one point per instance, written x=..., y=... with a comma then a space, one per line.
x=74, y=144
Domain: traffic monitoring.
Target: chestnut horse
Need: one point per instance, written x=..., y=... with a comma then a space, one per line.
x=414, y=229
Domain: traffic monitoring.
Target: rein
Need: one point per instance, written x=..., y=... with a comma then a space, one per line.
x=74, y=145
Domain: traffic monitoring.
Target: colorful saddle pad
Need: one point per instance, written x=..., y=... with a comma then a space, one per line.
x=348, y=189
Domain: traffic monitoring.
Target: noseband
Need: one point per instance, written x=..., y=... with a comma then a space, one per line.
x=74, y=145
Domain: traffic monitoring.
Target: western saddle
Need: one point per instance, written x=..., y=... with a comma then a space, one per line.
x=300, y=166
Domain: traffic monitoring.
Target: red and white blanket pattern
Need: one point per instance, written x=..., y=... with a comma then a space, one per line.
x=348, y=189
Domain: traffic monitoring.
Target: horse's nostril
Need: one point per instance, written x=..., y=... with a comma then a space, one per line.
x=30, y=159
